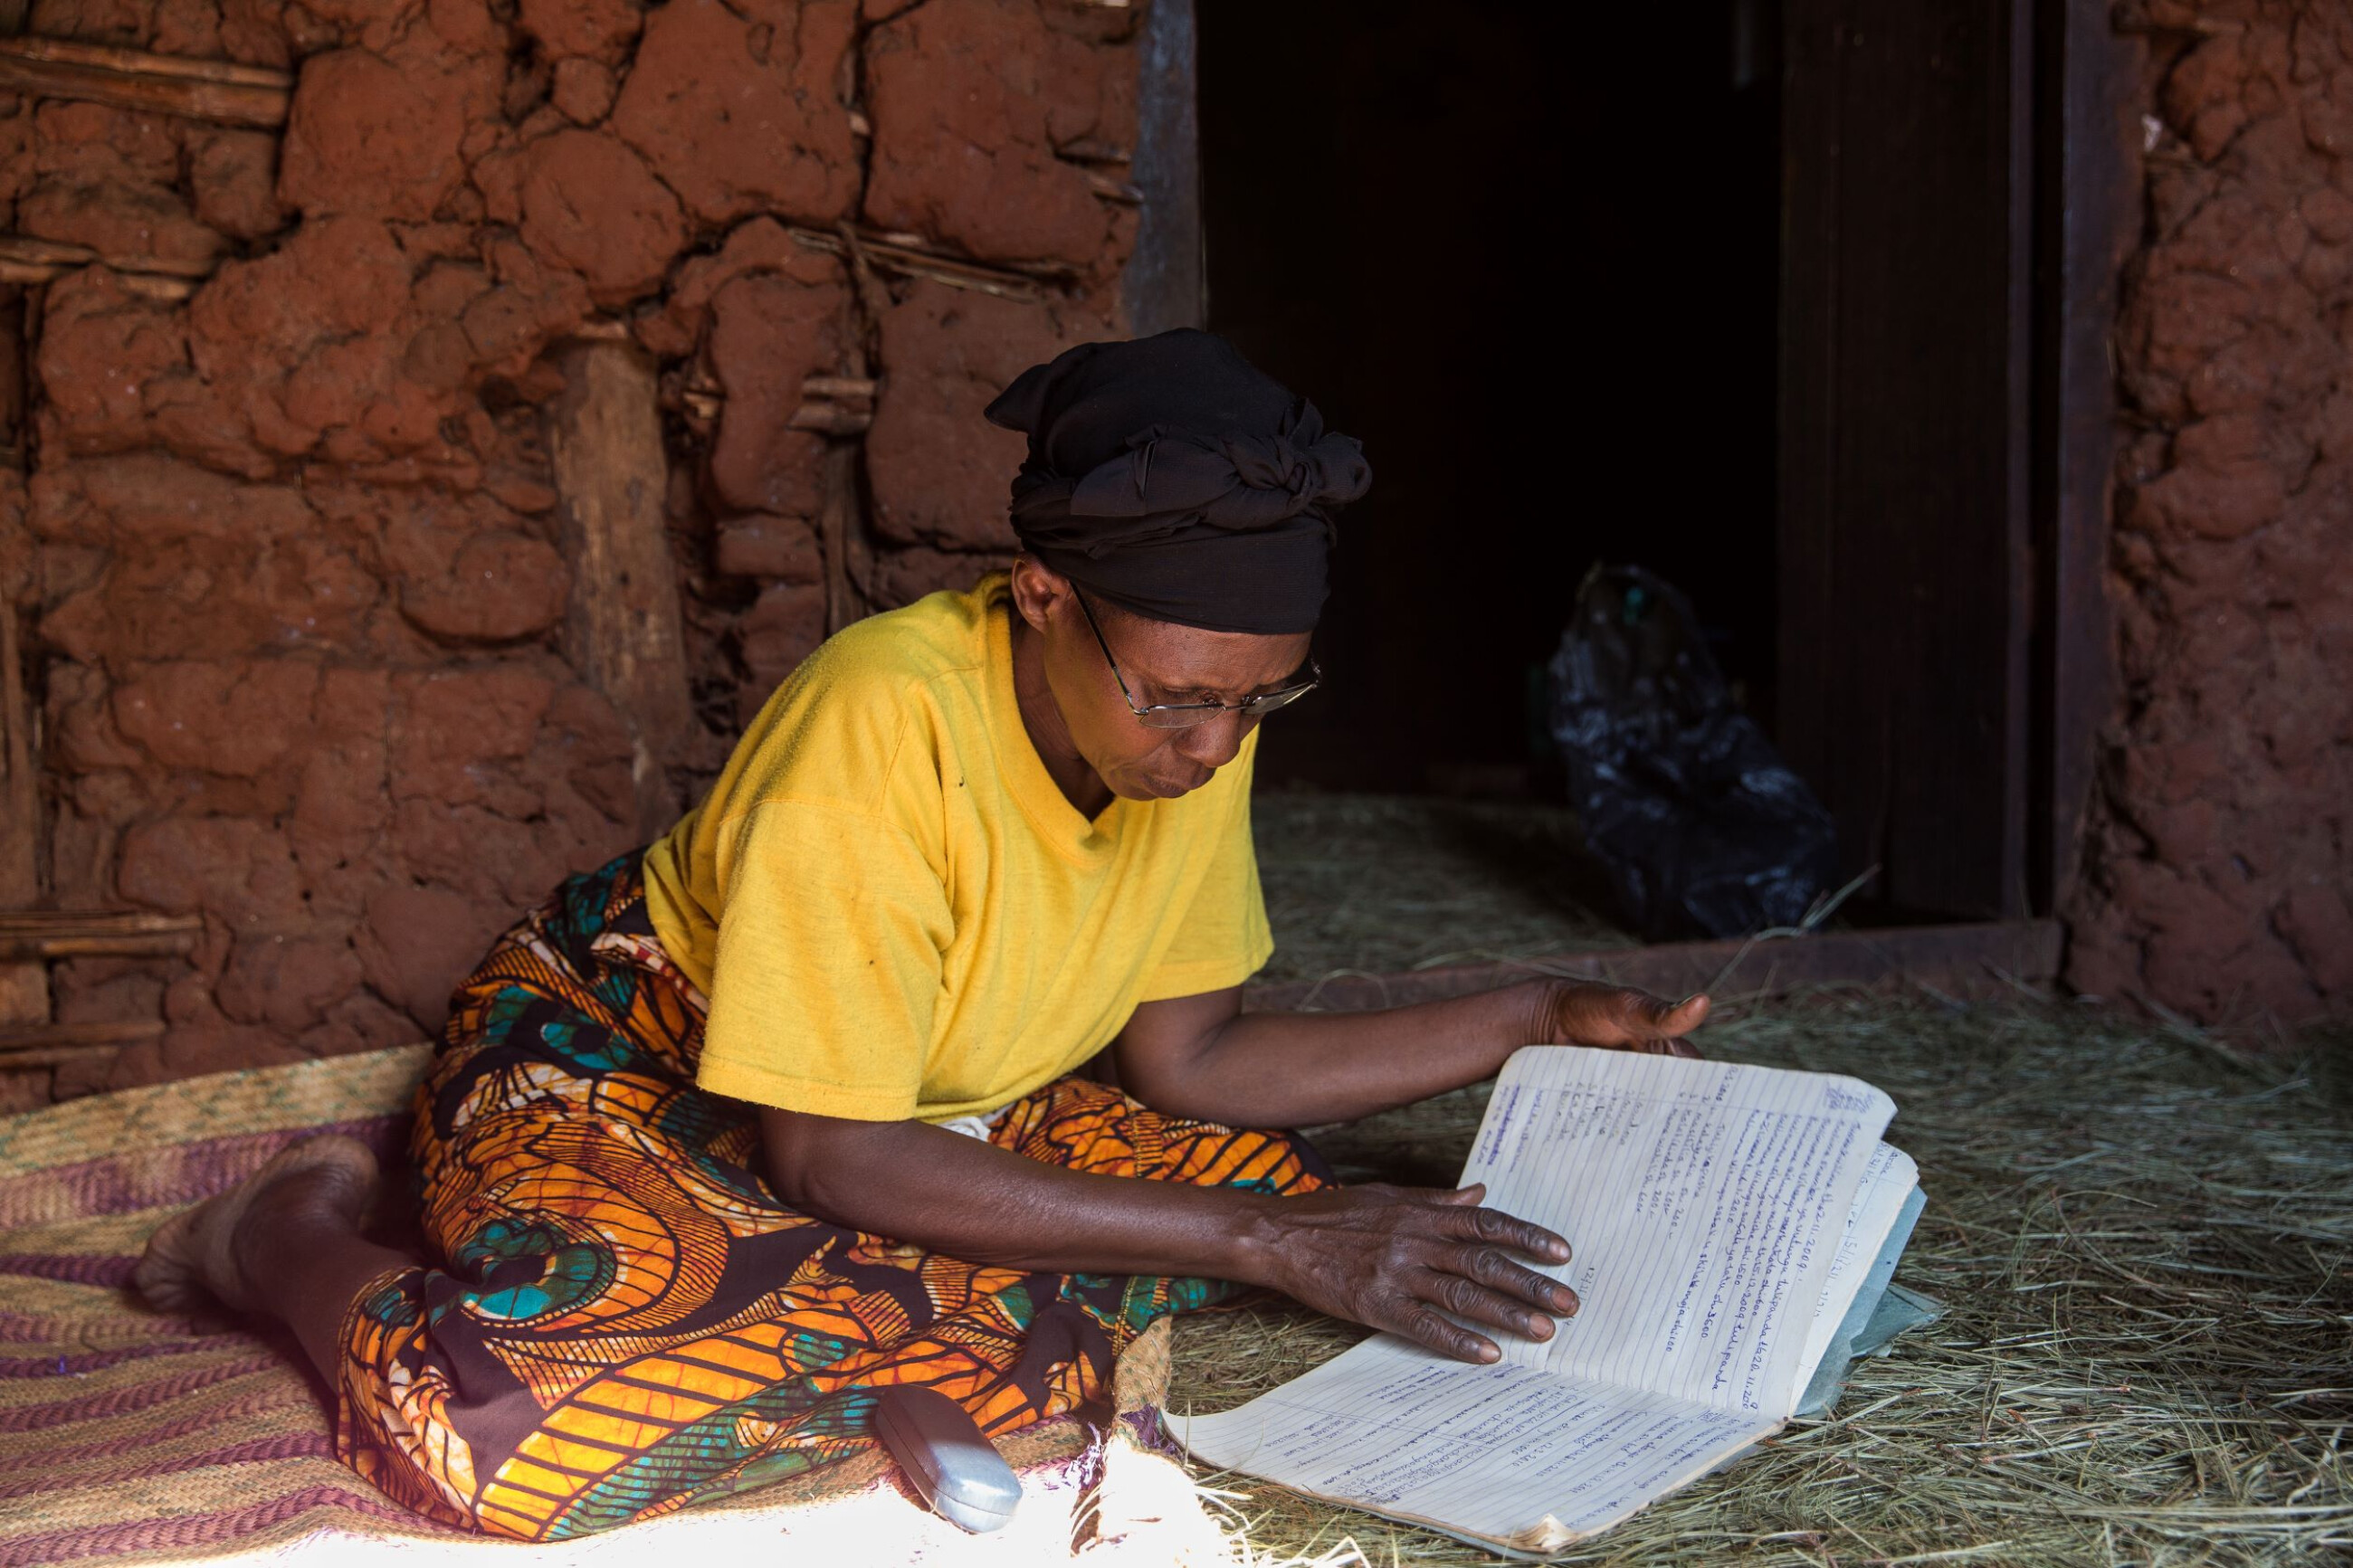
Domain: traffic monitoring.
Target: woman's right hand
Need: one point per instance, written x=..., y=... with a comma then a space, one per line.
x=1413, y=1259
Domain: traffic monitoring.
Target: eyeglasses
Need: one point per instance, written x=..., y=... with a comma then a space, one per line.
x=1184, y=715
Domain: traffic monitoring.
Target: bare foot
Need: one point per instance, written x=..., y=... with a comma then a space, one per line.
x=194, y=1259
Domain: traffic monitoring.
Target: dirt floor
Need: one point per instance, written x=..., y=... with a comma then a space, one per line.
x=2142, y=1237
x=1380, y=884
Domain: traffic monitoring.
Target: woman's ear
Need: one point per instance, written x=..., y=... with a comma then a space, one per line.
x=1040, y=593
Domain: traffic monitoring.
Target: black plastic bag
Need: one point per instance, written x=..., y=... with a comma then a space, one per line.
x=1703, y=827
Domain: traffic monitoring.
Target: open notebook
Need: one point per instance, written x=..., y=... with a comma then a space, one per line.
x=1723, y=1219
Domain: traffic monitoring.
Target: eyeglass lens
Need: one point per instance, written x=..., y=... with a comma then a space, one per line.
x=1184, y=715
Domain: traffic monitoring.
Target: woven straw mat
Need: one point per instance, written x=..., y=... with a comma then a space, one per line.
x=131, y=1436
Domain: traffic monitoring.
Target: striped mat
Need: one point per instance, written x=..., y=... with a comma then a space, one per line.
x=129, y=1437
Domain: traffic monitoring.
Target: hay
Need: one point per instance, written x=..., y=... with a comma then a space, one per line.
x=2148, y=1353
x=1382, y=884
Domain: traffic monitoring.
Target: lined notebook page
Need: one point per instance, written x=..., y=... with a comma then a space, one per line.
x=1505, y=1452
x=1887, y=1180
x=1706, y=1203
x=1703, y=1202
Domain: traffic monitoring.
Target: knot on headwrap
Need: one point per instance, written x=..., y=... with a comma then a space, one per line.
x=1172, y=478
x=1167, y=478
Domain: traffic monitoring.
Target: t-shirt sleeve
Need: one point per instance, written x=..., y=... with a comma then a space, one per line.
x=831, y=926
x=1223, y=939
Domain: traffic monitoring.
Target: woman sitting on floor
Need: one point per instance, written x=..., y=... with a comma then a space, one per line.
x=791, y=1105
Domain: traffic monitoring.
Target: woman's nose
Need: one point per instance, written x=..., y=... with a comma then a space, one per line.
x=1216, y=743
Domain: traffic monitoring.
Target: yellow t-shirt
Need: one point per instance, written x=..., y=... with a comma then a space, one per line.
x=894, y=911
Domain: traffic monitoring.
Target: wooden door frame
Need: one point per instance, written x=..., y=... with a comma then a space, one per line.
x=1165, y=281
x=2088, y=217
x=1966, y=768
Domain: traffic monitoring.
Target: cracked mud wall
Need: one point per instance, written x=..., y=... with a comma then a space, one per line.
x=289, y=552
x=2217, y=864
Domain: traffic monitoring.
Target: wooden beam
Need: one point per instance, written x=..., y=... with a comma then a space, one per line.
x=1952, y=958
x=215, y=90
x=623, y=635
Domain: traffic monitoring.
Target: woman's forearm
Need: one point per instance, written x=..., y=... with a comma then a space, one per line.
x=1295, y=1069
x=1418, y=1262
x=940, y=1189
x=956, y=1194
x=1415, y=1262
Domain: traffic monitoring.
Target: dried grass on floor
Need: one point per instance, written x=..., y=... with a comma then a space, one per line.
x=2146, y=1255
x=1381, y=884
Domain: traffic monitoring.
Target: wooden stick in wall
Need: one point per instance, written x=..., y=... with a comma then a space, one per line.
x=831, y=419
x=844, y=388
x=612, y=477
x=908, y=261
x=23, y=987
x=17, y=1041
x=146, y=285
x=32, y=252
x=837, y=406
x=217, y=90
x=843, y=604
x=23, y=259
x=137, y=62
x=36, y=934
x=54, y=1056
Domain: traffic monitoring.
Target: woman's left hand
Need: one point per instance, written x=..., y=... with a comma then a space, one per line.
x=1617, y=1017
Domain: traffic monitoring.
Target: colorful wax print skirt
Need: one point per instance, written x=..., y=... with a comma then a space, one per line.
x=621, y=1316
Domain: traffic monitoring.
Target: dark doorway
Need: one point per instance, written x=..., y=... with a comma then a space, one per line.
x=1527, y=254
x=1744, y=292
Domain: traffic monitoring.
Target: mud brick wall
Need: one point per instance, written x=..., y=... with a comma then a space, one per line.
x=290, y=553
x=2220, y=857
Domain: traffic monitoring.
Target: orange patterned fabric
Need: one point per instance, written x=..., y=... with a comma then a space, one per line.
x=624, y=1318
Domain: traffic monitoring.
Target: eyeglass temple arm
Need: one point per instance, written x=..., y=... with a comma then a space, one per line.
x=1126, y=695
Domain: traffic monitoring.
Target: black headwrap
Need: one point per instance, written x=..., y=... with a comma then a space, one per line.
x=1169, y=477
